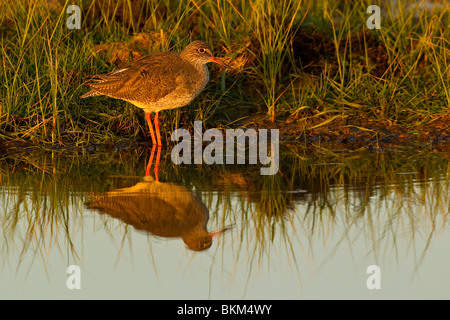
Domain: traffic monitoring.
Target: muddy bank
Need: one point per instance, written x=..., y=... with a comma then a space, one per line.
x=338, y=134
x=345, y=133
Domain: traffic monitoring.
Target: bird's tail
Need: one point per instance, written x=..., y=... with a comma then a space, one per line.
x=91, y=93
x=99, y=78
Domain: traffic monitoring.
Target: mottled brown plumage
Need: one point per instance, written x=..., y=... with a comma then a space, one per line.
x=159, y=81
x=162, y=209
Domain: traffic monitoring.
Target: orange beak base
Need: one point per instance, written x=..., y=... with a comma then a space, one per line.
x=219, y=232
x=215, y=60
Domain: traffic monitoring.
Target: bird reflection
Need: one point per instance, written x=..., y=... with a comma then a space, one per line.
x=161, y=208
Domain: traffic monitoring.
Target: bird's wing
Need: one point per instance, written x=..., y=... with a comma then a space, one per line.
x=146, y=80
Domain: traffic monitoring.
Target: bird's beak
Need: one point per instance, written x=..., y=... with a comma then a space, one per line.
x=216, y=233
x=215, y=60
x=219, y=232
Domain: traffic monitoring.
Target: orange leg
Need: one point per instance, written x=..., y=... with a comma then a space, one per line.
x=158, y=133
x=149, y=122
x=156, y=142
x=150, y=162
x=156, y=170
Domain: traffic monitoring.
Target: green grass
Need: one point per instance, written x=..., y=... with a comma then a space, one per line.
x=315, y=61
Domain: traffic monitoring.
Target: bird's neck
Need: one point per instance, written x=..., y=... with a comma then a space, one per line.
x=195, y=63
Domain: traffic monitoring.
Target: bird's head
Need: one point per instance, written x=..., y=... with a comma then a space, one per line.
x=199, y=53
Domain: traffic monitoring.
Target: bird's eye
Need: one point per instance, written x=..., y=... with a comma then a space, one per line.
x=201, y=50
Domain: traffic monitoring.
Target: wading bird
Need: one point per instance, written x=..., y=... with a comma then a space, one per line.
x=163, y=209
x=160, y=81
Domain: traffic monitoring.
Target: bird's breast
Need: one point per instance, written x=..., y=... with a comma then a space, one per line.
x=198, y=80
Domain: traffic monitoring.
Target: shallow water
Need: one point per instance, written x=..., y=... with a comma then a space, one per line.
x=309, y=232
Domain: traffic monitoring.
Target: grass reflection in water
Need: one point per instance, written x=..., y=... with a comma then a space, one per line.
x=321, y=197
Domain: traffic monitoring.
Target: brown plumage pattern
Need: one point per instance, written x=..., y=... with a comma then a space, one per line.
x=166, y=210
x=159, y=81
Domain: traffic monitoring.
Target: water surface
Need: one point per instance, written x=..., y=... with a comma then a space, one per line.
x=309, y=232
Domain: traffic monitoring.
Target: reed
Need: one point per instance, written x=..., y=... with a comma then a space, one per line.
x=315, y=63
